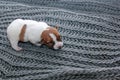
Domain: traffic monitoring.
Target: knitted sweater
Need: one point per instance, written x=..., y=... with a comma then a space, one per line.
x=90, y=30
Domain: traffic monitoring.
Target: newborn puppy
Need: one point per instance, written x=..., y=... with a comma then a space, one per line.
x=36, y=32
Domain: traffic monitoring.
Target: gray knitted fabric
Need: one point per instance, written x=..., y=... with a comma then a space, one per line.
x=90, y=31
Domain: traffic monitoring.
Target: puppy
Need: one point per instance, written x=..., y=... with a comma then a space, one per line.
x=37, y=33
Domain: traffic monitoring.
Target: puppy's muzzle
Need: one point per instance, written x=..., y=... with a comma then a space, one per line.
x=58, y=45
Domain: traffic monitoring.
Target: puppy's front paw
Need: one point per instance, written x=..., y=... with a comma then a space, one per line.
x=38, y=44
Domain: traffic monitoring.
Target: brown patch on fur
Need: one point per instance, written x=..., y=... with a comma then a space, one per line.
x=46, y=39
x=22, y=33
x=55, y=32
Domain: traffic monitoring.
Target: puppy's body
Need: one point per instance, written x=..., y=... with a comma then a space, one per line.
x=33, y=32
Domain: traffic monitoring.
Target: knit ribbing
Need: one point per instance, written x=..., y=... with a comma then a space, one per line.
x=90, y=30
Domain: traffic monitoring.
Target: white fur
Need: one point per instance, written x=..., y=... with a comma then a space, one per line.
x=33, y=31
x=57, y=43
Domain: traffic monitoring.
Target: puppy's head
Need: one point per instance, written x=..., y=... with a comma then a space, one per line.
x=52, y=38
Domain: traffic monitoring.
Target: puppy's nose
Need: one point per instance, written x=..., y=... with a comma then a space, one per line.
x=60, y=47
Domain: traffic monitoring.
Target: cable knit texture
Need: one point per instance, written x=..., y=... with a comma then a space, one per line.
x=90, y=30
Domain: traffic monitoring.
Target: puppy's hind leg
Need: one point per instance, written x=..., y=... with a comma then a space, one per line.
x=14, y=44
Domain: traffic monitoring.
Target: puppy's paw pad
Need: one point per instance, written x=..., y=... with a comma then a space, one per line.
x=19, y=49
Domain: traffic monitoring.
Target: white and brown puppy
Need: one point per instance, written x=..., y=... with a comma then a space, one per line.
x=36, y=32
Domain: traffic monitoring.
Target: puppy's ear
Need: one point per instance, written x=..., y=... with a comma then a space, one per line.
x=45, y=36
x=56, y=27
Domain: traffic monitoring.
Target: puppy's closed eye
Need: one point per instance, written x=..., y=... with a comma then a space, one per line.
x=50, y=42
